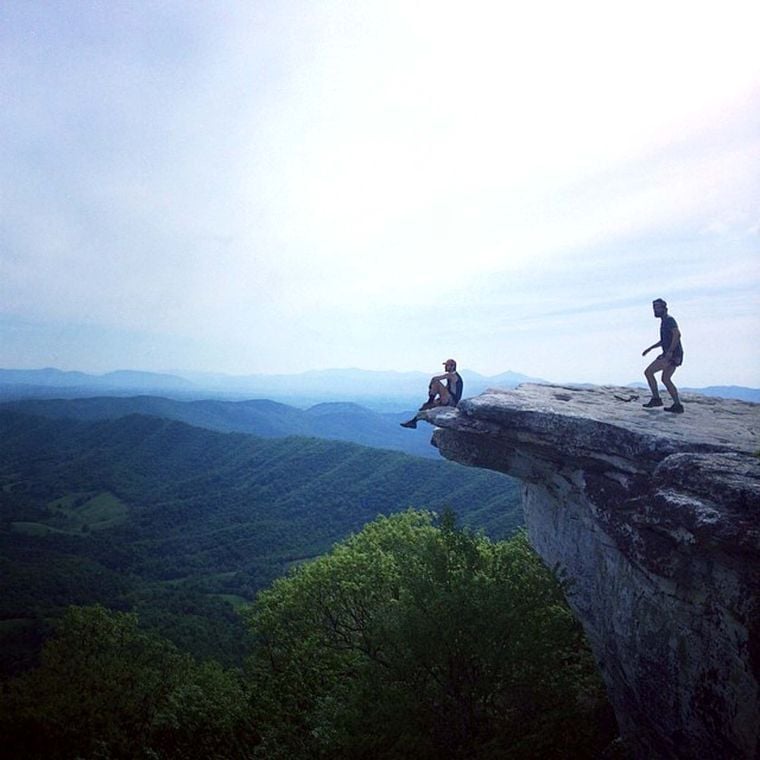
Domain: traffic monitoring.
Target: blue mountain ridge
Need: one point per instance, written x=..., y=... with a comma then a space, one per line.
x=261, y=417
x=382, y=390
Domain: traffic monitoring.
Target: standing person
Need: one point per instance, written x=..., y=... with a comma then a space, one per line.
x=668, y=361
x=444, y=390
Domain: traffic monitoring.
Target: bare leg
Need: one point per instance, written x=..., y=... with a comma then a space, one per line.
x=657, y=365
x=439, y=390
x=438, y=395
x=667, y=373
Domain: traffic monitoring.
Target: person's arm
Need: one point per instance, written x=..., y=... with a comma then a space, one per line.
x=654, y=345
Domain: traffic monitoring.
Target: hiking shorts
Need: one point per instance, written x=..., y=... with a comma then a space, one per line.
x=675, y=361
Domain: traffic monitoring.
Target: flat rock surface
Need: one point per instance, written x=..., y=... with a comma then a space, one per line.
x=708, y=423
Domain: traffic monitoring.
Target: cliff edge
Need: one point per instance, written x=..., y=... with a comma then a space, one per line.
x=655, y=519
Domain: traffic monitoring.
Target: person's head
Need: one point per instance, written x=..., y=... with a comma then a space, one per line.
x=450, y=365
x=660, y=307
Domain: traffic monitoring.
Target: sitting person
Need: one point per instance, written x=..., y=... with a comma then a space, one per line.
x=444, y=390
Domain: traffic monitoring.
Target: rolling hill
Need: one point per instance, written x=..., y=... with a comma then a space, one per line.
x=381, y=390
x=182, y=523
x=264, y=418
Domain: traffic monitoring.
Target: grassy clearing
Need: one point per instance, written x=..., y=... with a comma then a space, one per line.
x=36, y=529
x=77, y=513
x=235, y=600
x=103, y=511
x=70, y=501
x=95, y=511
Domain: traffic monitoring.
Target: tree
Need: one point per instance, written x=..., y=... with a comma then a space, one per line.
x=415, y=640
x=107, y=689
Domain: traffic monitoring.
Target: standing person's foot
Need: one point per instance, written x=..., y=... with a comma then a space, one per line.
x=409, y=423
x=653, y=402
x=677, y=408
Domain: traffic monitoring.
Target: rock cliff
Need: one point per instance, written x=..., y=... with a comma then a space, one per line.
x=655, y=519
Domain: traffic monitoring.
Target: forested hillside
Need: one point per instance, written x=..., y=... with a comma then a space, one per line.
x=182, y=524
x=261, y=417
x=411, y=639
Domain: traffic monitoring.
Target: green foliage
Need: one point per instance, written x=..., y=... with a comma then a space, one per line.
x=106, y=689
x=172, y=521
x=411, y=640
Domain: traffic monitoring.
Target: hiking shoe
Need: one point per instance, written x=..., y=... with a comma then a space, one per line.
x=428, y=405
x=677, y=408
x=409, y=424
x=653, y=402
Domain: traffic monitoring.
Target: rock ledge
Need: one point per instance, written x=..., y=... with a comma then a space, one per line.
x=655, y=518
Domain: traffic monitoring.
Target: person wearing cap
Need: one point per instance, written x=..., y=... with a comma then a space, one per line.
x=668, y=361
x=444, y=390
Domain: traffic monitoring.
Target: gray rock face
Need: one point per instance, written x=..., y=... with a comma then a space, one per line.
x=655, y=518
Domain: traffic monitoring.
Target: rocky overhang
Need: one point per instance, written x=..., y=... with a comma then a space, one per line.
x=654, y=519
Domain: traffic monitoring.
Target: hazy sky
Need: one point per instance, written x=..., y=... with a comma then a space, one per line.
x=279, y=186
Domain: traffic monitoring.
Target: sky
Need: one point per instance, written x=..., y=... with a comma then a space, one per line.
x=275, y=187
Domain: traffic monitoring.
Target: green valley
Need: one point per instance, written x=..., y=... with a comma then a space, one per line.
x=183, y=524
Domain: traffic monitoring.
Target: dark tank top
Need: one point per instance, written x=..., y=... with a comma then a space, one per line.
x=456, y=390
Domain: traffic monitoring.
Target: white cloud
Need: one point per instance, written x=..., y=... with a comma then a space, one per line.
x=344, y=183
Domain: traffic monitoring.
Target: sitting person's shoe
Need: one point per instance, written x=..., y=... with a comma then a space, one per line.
x=430, y=404
x=653, y=402
x=677, y=408
x=409, y=423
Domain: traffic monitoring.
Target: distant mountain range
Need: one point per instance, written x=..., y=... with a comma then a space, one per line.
x=352, y=384
x=381, y=390
x=267, y=419
x=728, y=391
x=126, y=379
x=738, y=392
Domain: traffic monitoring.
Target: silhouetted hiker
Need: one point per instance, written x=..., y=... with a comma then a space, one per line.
x=668, y=361
x=444, y=390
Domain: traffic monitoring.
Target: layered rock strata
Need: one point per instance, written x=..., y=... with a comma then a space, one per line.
x=655, y=520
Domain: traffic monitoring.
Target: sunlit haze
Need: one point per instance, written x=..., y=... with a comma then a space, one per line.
x=267, y=187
